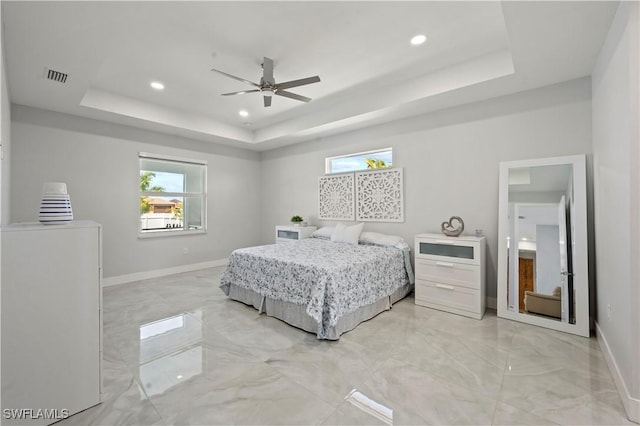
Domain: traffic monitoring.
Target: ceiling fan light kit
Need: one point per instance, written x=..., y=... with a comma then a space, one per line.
x=268, y=87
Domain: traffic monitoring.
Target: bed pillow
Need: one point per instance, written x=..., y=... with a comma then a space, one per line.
x=347, y=234
x=325, y=232
x=380, y=239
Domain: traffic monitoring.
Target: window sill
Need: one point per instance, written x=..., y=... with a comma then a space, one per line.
x=169, y=234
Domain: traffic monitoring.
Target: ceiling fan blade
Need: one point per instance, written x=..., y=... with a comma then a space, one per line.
x=292, y=96
x=235, y=78
x=242, y=92
x=267, y=71
x=296, y=83
x=267, y=101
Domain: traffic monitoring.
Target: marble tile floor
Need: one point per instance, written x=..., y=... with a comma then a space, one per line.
x=178, y=352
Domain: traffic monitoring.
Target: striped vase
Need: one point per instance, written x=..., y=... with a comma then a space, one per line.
x=55, y=207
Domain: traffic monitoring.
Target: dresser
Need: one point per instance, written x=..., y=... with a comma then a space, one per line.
x=292, y=232
x=450, y=274
x=51, y=320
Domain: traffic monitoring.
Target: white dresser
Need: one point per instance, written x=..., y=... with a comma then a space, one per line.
x=51, y=320
x=450, y=273
x=292, y=232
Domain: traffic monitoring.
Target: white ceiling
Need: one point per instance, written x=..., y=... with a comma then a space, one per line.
x=369, y=72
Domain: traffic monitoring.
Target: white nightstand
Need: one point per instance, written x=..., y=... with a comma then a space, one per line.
x=450, y=274
x=292, y=232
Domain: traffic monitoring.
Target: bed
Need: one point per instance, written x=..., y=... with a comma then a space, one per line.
x=321, y=286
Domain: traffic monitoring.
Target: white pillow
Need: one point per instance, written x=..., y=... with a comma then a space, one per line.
x=347, y=234
x=325, y=232
x=380, y=239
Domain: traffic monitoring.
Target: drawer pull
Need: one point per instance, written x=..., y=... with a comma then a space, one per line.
x=447, y=264
x=446, y=287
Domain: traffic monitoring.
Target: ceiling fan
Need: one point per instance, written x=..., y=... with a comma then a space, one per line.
x=268, y=85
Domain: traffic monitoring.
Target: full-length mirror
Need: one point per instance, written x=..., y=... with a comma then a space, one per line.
x=542, y=263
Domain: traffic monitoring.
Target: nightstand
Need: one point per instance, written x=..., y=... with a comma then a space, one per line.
x=450, y=274
x=291, y=232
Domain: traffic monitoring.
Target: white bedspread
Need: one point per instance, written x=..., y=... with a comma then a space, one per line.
x=331, y=279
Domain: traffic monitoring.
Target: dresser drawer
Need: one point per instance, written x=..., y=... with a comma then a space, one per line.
x=293, y=233
x=448, y=249
x=460, y=274
x=437, y=294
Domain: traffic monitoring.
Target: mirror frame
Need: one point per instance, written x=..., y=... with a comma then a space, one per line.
x=579, y=241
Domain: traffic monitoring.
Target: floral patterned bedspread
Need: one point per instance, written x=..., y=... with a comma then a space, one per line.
x=332, y=279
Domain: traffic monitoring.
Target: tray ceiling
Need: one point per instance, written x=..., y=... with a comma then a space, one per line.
x=369, y=72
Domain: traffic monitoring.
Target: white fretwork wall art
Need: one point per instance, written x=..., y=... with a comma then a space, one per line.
x=368, y=196
x=379, y=195
x=336, y=195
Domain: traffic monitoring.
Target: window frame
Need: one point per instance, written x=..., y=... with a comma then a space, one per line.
x=203, y=196
x=328, y=160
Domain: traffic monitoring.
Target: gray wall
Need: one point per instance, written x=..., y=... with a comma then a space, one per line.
x=99, y=163
x=450, y=160
x=616, y=191
x=5, y=140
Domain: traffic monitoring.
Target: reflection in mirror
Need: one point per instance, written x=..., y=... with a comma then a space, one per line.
x=542, y=218
x=540, y=201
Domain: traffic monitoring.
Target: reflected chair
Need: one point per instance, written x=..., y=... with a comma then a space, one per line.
x=543, y=304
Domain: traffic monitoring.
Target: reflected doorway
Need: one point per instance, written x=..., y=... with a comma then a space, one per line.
x=526, y=279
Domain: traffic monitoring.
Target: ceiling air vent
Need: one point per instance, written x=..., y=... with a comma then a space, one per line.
x=58, y=76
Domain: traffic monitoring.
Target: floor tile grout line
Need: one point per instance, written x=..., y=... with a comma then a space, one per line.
x=500, y=390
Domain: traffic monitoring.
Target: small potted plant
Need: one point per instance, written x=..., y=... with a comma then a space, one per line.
x=297, y=220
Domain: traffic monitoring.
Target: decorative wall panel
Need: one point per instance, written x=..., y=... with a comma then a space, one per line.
x=336, y=194
x=379, y=195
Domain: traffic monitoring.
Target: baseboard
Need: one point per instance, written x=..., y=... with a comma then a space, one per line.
x=631, y=405
x=492, y=303
x=137, y=276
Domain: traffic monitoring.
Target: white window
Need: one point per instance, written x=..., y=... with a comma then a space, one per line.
x=379, y=159
x=173, y=196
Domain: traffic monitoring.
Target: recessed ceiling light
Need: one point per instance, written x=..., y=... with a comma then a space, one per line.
x=243, y=113
x=419, y=39
x=157, y=85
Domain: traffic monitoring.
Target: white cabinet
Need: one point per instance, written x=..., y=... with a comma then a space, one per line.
x=51, y=320
x=450, y=274
x=288, y=233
